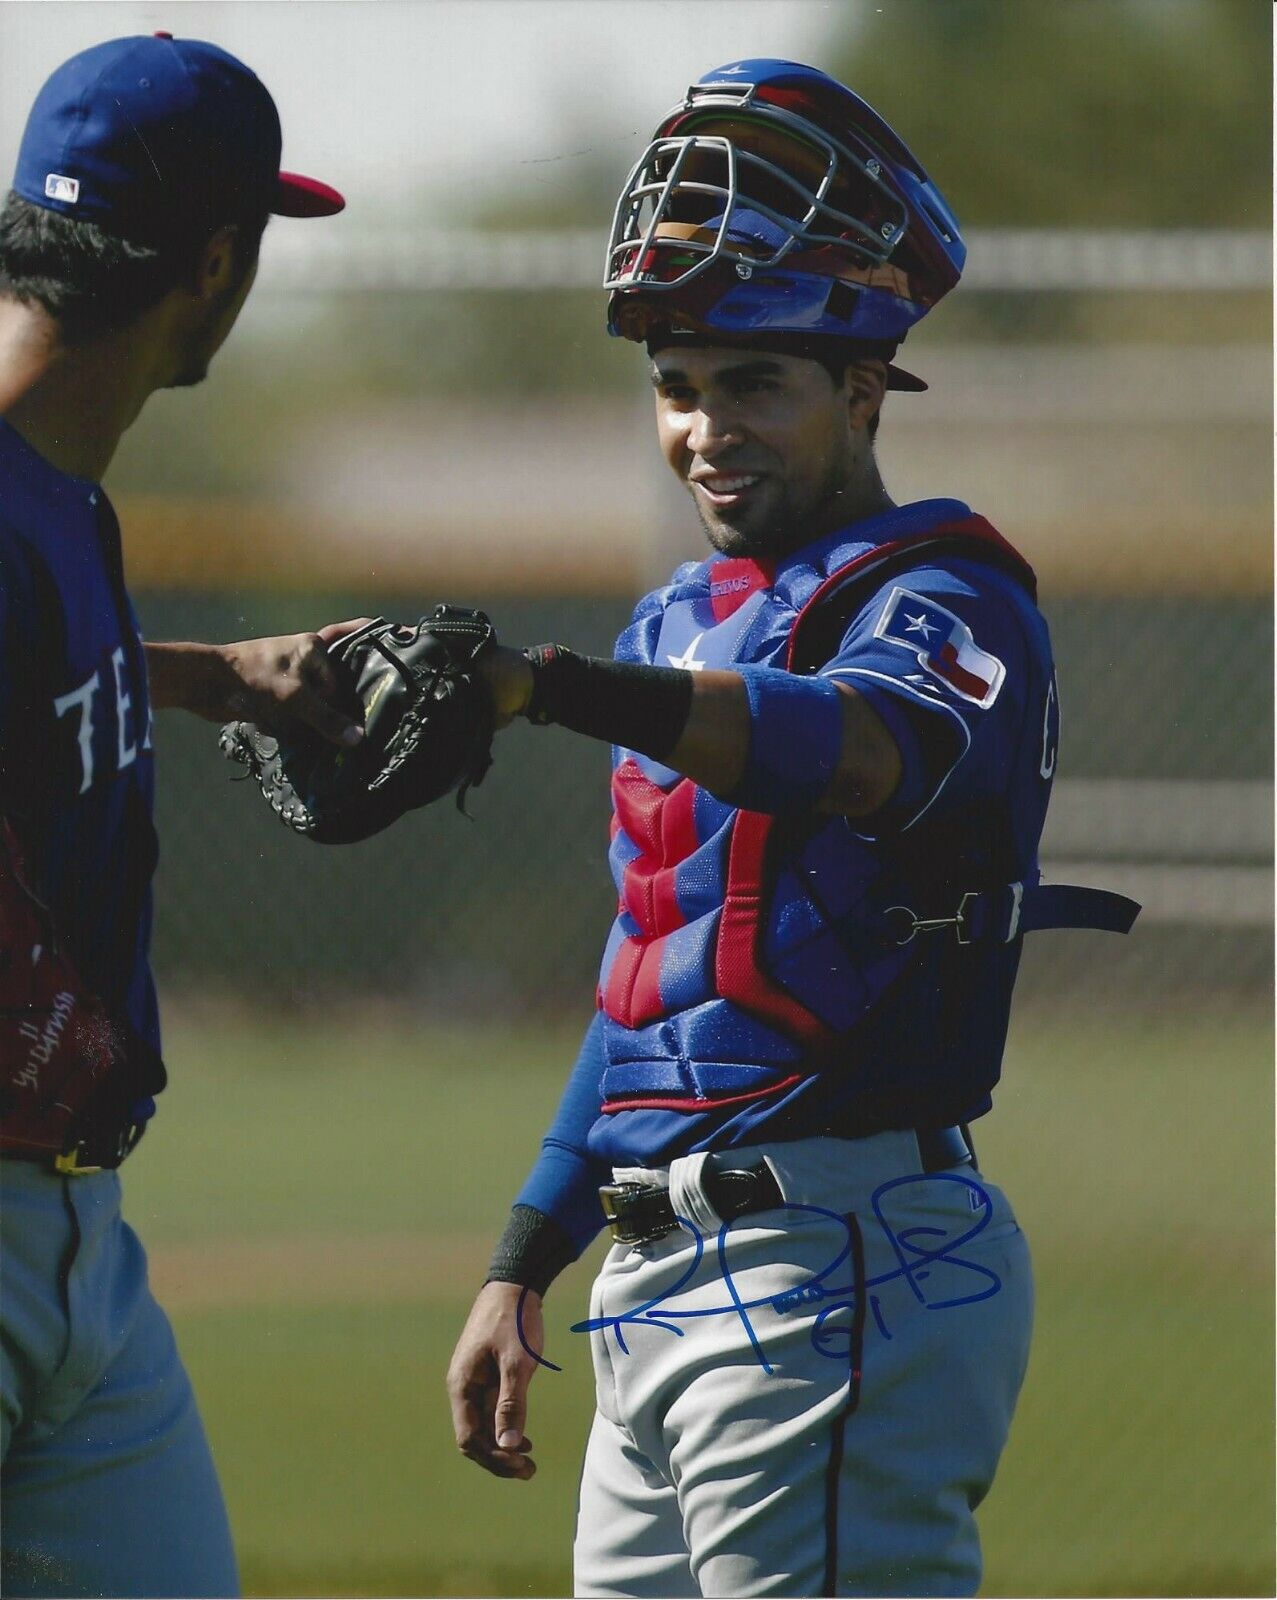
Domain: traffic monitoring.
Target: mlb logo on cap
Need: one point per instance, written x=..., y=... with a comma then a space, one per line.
x=56, y=187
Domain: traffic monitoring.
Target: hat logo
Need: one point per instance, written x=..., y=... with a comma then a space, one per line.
x=56, y=187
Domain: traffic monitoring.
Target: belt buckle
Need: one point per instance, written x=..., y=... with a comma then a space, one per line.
x=69, y=1165
x=109, y=1151
x=627, y=1229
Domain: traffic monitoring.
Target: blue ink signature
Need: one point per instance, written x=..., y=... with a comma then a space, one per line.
x=916, y=1251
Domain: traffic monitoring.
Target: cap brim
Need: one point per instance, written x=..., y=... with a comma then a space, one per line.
x=296, y=196
x=898, y=378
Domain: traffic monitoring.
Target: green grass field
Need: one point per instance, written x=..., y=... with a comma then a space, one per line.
x=318, y=1199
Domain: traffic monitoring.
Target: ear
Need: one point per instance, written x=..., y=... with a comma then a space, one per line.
x=866, y=383
x=217, y=263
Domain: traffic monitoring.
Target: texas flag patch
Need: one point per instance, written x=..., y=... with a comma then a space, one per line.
x=943, y=644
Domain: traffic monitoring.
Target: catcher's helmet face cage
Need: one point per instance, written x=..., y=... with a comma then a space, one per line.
x=772, y=199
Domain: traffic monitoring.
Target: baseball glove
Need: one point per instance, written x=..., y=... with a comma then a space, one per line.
x=427, y=719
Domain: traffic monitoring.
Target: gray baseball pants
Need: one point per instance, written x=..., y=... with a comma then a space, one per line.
x=808, y=1401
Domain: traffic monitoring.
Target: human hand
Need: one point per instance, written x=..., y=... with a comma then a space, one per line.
x=488, y=1379
x=284, y=679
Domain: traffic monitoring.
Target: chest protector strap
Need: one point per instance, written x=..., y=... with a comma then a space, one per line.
x=1013, y=909
x=1019, y=908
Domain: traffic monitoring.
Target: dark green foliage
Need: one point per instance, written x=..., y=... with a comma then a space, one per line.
x=1035, y=113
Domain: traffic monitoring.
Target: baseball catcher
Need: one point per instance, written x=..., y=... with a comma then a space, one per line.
x=833, y=746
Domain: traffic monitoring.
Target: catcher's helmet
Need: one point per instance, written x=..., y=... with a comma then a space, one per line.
x=773, y=201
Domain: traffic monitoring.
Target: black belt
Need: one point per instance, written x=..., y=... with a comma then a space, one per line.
x=98, y=1140
x=738, y=1184
x=99, y=1150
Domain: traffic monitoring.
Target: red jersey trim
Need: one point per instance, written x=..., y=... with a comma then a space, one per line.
x=677, y=1103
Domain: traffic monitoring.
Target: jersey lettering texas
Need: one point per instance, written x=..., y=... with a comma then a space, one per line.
x=82, y=706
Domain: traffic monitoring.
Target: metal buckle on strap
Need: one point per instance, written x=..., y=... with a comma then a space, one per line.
x=637, y=1214
x=609, y=1194
x=917, y=924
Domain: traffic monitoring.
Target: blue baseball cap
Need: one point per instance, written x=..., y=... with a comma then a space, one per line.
x=158, y=139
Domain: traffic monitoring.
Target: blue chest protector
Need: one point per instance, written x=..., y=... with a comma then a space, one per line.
x=776, y=976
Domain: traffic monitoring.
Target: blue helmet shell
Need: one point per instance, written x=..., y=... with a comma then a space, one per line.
x=774, y=200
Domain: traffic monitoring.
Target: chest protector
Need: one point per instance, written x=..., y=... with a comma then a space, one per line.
x=751, y=952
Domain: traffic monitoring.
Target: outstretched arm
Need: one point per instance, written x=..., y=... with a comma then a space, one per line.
x=762, y=737
x=267, y=681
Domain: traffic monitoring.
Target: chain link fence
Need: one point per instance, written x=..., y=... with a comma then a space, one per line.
x=396, y=256
x=1136, y=476
x=1163, y=792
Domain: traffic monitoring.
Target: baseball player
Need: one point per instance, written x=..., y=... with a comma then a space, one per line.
x=833, y=748
x=146, y=174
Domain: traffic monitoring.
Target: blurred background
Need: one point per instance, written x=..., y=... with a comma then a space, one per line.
x=421, y=403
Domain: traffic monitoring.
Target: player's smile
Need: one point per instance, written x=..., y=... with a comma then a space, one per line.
x=763, y=442
x=726, y=490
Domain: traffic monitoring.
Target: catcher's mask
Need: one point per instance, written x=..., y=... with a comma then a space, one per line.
x=773, y=200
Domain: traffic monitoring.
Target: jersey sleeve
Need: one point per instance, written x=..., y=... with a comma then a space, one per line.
x=564, y=1183
x=942, y=655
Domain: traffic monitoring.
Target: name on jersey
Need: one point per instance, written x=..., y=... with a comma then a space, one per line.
x=91, y=708
x=730, y=586
x=944, y=645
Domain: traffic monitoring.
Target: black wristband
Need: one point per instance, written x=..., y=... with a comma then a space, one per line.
x=622, y=702
x=532, y=1251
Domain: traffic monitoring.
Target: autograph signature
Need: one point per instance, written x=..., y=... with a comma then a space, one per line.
x=917, y=1251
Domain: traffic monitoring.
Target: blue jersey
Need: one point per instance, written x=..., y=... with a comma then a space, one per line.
x=76, y=761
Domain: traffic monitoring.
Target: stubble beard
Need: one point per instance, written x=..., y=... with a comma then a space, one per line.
x=729, y=541
x=781, y=531
x=768, y=538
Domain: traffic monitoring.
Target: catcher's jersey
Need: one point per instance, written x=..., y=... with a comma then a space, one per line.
x=755, y=984
x=76, y=761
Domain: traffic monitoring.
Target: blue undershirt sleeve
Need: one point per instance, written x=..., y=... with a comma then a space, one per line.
x=564, y=1183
